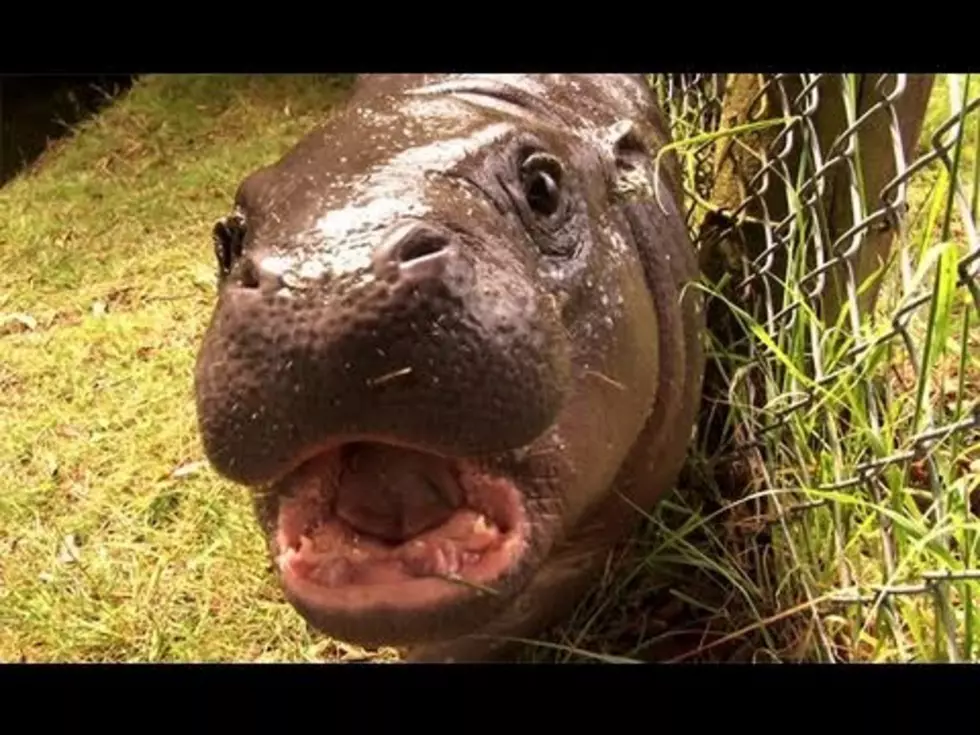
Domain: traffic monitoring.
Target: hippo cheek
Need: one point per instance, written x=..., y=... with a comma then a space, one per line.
x=616, y=385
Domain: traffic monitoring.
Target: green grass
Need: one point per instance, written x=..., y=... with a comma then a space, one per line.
x=767, y=574
x=118, y=543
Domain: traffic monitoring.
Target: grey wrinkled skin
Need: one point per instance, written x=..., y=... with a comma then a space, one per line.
x=387, y=278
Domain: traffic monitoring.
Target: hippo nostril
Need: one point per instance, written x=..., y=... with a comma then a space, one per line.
x=249, y=277
x=261, y=272
x=420, y=245
x=417, y=248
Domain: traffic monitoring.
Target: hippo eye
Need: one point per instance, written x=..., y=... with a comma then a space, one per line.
x=228, y=234
x=541, y=176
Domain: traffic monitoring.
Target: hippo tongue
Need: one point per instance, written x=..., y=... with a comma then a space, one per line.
x=393, y=493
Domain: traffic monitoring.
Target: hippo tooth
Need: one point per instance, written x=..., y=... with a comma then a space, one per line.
x=447, y=560
x=285, y=558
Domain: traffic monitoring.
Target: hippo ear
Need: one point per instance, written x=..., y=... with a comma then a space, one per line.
x=631, y=149
x=632, y=167
x=628, y=147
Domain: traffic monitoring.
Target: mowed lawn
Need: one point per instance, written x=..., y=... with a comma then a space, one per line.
x=117, y=542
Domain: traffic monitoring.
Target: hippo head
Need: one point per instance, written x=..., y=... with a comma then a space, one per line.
x=434, y=344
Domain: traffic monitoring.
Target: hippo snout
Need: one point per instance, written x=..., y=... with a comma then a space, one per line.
x=412, y=339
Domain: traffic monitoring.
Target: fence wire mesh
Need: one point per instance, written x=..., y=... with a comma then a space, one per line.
x=835, y=217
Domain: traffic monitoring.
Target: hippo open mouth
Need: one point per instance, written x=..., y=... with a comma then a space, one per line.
x=365, y=524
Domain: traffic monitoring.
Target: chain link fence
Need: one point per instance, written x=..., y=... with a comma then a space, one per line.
x=835, y=218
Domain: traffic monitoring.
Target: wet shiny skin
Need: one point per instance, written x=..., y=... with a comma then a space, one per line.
x=473, y=266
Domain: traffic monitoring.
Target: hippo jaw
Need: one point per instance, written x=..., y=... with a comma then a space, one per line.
x=370, y=528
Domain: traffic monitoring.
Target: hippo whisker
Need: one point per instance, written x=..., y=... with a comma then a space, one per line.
x=456, y=579
x=606, y=379
x=390, y=376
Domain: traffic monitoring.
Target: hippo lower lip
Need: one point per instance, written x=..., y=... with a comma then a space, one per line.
x=368, y=525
